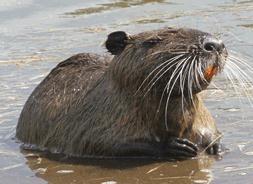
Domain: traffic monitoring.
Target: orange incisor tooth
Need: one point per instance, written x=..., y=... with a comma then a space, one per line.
x=210, y=72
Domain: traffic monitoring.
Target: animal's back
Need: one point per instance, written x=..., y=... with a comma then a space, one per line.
x=62, y=90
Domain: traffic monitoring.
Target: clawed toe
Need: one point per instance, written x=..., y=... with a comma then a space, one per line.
x=181, y=148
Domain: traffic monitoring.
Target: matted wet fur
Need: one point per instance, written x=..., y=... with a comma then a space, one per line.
x=142, y=102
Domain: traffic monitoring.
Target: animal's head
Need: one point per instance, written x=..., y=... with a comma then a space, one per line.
x=168, y=61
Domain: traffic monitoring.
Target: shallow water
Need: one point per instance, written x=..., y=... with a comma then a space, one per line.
x=35, y=35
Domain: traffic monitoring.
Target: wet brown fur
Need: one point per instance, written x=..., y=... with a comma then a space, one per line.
x=88, y=105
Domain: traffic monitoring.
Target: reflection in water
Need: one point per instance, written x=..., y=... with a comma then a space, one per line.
x=120, y=170
x=112, y=6
x=250, y=26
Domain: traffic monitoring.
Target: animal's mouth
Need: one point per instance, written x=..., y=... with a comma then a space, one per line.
x=210, y=72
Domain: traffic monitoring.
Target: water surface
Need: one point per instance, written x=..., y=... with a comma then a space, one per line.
x=35, y=35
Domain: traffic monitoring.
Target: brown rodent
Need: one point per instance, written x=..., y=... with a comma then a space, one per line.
x=142, y=102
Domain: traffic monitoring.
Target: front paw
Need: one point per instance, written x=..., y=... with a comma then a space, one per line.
x=181, y=148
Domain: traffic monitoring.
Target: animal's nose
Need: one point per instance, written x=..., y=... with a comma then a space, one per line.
x=212, y=44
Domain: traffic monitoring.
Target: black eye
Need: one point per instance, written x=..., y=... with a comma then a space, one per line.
x=151, y=42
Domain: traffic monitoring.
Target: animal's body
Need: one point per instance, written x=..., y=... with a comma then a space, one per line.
x=143, y=102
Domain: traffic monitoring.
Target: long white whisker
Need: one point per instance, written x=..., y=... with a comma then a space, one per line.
x=239, y=60
x=243, y=74
x=159, y=66
x=182, y=83
x=195, y=76
x=200, y=71
x=150, y=86
x=230, y=78
x=190, y=76
x=242, y=80
x=171, y=88
x=190, y=82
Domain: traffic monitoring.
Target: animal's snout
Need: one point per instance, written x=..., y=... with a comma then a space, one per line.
x=212, y=44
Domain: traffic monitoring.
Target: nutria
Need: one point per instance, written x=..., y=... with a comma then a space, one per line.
x=143, y=102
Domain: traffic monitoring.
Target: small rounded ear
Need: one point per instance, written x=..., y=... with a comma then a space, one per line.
x=116, y=42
